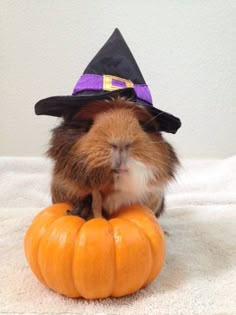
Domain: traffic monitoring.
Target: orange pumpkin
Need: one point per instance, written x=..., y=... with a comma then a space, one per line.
x=96, y=258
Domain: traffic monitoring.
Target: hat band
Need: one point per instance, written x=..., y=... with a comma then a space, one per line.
x=111, y=83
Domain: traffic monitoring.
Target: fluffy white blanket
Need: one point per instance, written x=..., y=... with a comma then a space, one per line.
x=199, y=276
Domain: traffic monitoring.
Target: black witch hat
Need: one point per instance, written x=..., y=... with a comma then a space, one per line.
x=112, y=72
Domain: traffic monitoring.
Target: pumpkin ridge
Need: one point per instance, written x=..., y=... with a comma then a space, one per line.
x=49, y=215
x=38, y=256
x=150, y=246
x=150, y=242
x=72, y=260
x=48, y=225
x=115, y=259
x=148, y=252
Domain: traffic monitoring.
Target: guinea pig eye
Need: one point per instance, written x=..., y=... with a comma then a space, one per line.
x=148, y=127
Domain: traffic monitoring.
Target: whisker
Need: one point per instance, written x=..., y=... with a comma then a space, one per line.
x=162, y=163
x=151, y=119
x=155, y=162
x=165, y=156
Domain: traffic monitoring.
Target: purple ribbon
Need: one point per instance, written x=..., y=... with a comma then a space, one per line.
x=96, y=82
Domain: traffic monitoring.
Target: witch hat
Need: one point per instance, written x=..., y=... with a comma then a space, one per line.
x=112, y=72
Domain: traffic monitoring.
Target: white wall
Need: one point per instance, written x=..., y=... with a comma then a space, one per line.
x=185, y=49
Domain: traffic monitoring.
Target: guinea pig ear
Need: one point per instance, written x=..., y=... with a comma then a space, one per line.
x=68, y=115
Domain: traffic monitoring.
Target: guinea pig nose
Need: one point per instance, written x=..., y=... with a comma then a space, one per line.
x=120, y=155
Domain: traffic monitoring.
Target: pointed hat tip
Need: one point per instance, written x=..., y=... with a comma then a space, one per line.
x=117, y=32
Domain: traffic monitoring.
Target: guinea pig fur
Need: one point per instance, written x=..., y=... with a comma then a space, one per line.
x=113, y=147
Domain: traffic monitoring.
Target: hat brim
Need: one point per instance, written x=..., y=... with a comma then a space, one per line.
x=58, y=105
x=167, y=122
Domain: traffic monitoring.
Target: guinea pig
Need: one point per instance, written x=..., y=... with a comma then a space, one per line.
x=110, y=154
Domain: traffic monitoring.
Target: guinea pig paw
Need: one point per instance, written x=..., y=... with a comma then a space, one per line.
x=84, y=213
x=74, y=211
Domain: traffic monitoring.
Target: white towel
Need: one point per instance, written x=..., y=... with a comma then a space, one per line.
x=199, y=276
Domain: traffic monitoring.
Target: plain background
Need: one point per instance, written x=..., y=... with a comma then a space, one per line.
x=185, y=49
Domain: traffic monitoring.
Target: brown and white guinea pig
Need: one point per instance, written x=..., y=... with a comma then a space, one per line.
x=110, y=153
